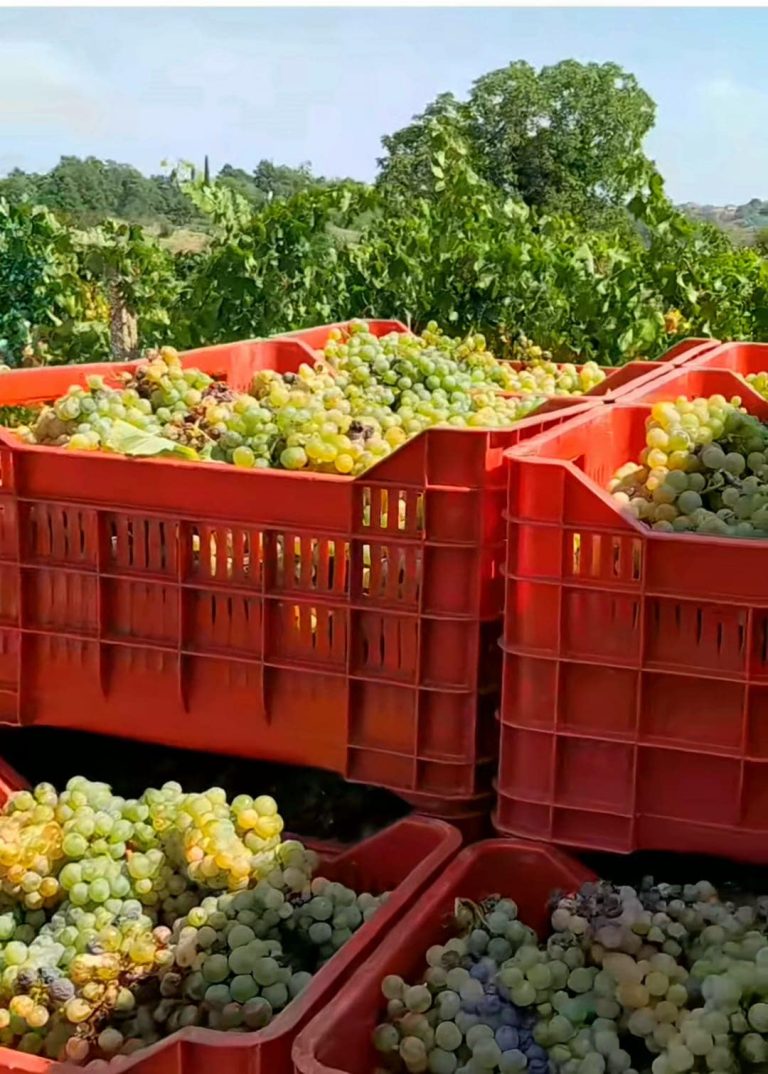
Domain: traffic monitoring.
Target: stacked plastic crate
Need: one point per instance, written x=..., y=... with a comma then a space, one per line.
x=344, y=623
x=635, y=682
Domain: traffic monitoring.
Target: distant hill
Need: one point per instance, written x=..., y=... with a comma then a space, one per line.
x=740, y=221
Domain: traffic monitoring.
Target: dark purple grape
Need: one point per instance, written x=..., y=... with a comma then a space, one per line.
x=489, y=1006
x=507, y=1038
x=26, y=979
x=510, y=1016
x=61, y=990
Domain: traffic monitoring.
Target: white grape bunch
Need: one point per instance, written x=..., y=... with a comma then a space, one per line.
x=125, y=919
x=653, y=980
x=704, y=470
x=362, y=398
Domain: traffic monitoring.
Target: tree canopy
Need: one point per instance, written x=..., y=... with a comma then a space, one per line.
x=88, y=191
x=567, y=137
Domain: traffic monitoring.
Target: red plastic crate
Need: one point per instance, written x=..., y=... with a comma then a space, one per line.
x=741, y=358
x=688, y=350
x=339, y=1039
x=695, y=381
x=635, y=683
x=471, y=816
x=342, y=623
x=403, y=859
x=622, y=381
x=10, y=782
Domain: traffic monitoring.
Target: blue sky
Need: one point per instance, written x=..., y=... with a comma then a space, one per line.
x=323, y=84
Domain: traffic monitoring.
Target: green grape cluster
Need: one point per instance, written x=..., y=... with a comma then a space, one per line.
x=549, y=378
x=538, y=373
x=89, y=846
x=654, y=980
x=428, y=380
x=326, y=424
x=210, y=842
x=90, y=876
x=122, y=920
x=31, y=848
x=704, y=470
x=468, y=1010
x=679, y=973
x=326, y=914
x=59, y=988
x=241, y=957
x=361, y=399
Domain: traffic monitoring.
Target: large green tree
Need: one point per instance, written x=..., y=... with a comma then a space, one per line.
x=566, y=137
x=269, y=180
x=88, y=191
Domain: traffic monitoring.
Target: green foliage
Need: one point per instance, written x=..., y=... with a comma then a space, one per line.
x=42, y=295
x=89, y=191
x=134, y=270
x=561, y=138
x=529, y=209
x=467, y=254
x=267, y=270
x=269, y=181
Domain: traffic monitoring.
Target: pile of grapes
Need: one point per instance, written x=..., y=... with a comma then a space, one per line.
x=123, y=920
x=361, y=399
x=704, y=470
x=658, y=980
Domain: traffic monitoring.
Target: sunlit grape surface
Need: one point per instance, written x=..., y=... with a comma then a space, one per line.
x=704, y=469
x=124, y=919
x=361, y=398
